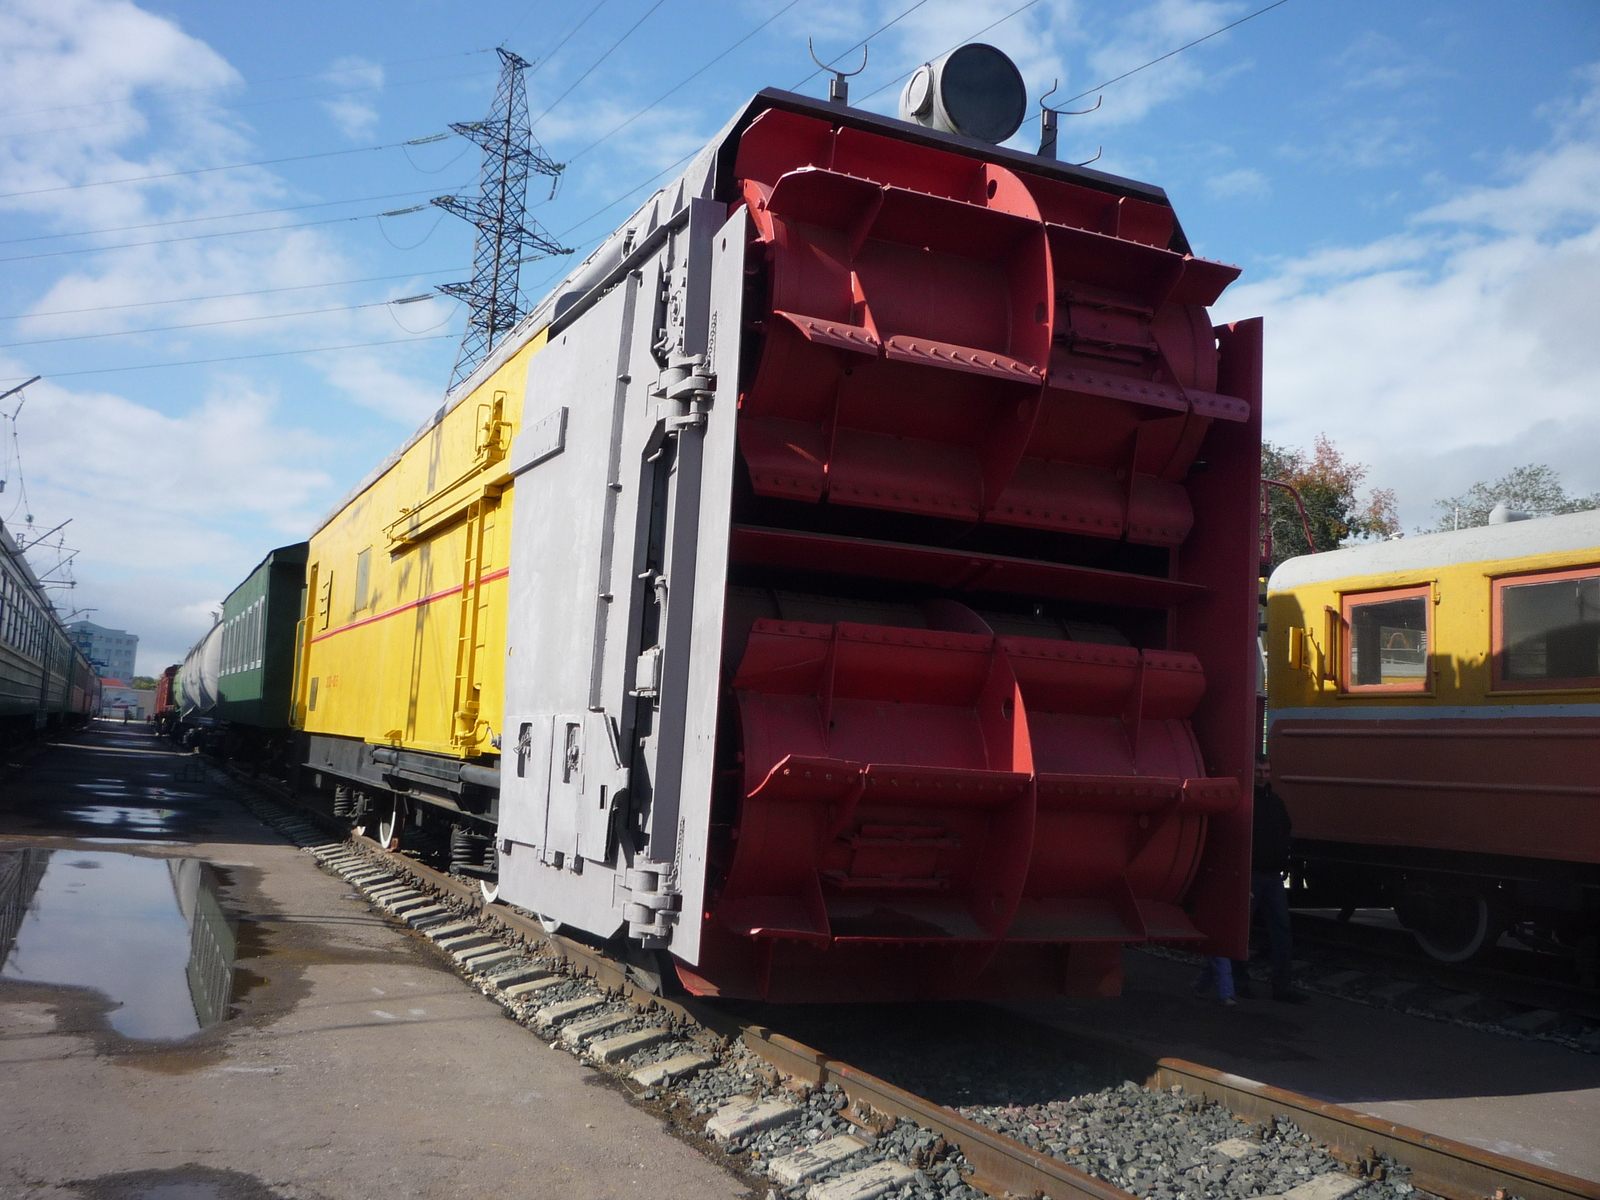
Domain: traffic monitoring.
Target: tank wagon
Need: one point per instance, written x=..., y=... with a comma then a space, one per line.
x=237, y=680
x=1434, y=730
x=45, y=680
x=843, y=584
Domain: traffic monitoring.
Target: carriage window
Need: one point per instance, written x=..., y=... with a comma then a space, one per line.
x=1387, y=638
x=1548, y=630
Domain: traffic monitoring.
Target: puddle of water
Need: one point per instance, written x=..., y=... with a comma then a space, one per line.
x=182, y=1183
x=138, y=819
x=147, y=932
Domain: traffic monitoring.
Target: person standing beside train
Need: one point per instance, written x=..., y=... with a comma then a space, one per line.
x=1270, y=834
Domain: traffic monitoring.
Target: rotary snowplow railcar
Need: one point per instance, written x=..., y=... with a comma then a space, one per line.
x=843, y=582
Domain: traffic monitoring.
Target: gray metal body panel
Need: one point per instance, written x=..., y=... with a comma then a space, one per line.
x=617, y=598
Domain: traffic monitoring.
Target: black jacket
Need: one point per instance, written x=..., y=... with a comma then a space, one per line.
x=1270, y=831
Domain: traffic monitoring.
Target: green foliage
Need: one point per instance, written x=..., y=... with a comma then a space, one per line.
x=1329, y=487
x=143, y=683
x=1534, y=489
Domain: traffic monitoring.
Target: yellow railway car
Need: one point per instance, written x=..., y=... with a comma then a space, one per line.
x=402, y=647
x=1434, y=727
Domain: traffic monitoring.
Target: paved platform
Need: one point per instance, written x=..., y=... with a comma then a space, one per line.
x=353, y=1066
x=1532, y=1100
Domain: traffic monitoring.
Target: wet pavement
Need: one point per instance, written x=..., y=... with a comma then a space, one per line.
x=147, y=933
x=190, y=1009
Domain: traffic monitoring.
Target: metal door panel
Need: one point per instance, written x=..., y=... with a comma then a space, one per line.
x=691, y=669
x=525, y=778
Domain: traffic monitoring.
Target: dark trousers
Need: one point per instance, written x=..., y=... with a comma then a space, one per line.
x=1269, y=900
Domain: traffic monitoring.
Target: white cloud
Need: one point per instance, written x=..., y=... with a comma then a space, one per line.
x=147, y=492
x=172, y=500
x=1376, y=62
x=1462, y=347
x=354, y=114
x=1243, y=183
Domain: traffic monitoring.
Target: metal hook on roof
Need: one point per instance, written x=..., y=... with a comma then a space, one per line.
x=1049, y=121
x=1098, y=152
x=838, y=88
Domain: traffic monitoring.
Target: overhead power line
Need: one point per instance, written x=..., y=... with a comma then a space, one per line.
x=962, y=42
x=265, y=162
x=993, y=24
x=222, y=87
x=852, y=49
x=298, y=287
x=598, y=61
x=201, y=362
x=1187, y=46
x=220, y=216
x=218, y=233
x=307, y=312
x=684, y=82
x=551, y=53
x=387, y=85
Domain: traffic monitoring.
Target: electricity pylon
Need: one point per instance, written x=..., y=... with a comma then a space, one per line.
x=506, y=238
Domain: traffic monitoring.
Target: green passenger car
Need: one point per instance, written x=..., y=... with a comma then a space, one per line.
x=256, y=667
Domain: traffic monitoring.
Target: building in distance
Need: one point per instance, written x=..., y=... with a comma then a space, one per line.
x=112, y=651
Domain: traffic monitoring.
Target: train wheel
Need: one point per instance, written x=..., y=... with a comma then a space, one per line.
x=1455, y=926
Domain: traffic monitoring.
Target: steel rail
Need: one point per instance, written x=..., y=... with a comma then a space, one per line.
x=1438, y=1164
x=1004, y=1166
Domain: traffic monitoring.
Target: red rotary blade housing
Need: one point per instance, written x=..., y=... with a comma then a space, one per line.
x=986, y=664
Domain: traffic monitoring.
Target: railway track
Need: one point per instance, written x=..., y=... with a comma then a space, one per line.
x=805, y=1123
x=1515, y=991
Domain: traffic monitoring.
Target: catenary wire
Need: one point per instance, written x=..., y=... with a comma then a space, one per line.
x=598, y=61
x=683, y=82
x=962, y=42
x=255, y=212
x=265, y=162
x=608, y=207
x=993, y=24
x=201, y=362
x=221, y=87
x=551, y=53
x=305, y=312
x=195, y=237
x=220, y=108
x=396, y=245
x=1170, y=53
x=886, y=25
x=298, y=287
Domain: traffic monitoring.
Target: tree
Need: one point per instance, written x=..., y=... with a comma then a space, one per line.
x=142, y=683
x=1534, y=489
x=1329, y=486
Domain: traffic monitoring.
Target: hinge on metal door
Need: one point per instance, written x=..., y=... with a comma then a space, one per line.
x=650, y=903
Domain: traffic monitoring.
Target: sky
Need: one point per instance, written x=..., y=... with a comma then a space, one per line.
x=196, y=260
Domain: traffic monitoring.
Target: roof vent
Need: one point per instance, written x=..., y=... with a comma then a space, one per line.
x=974, y=91
x=1504, y=514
